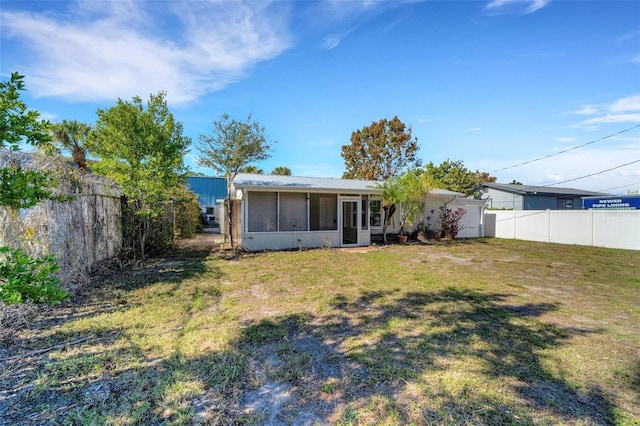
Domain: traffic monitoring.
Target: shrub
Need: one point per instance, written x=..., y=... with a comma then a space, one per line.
x=188, y=219
x=450, y=221
x=25, y=278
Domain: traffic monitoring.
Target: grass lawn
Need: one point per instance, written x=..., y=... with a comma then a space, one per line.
x=465, y=332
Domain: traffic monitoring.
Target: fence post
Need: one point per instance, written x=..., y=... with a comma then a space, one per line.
x=593, y=231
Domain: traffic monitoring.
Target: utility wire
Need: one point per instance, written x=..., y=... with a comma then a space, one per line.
x=566, y=150
x=618, y=187
x=593, y=174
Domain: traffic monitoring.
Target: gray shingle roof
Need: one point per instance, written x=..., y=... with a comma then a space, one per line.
x=532, y=189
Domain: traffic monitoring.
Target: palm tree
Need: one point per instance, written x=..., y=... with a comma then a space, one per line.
x=391, y=196
x=406, y=194
x=252, y=170
x=71, y=135
x=281, y=171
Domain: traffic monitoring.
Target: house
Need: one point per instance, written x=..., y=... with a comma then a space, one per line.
x=281, y=212
x=211, y=191
x=529, y=197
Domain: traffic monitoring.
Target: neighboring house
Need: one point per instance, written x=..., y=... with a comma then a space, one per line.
x=528, y=197
x=281, y=212
x=211, y=192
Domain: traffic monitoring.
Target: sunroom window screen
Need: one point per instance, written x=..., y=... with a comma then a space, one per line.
x=293, y=212
x=323, y=212
x=263, y=211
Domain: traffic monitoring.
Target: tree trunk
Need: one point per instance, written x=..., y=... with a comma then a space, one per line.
x=229, y=222
x=389, y=210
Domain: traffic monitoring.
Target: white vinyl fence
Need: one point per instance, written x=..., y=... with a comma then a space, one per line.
x=601, y=228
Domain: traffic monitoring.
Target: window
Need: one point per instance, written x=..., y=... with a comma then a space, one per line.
x=375, y=219
x=263, y=211
x=565, y=203
x=293, y=212
x=323, y=212
x=365, y=212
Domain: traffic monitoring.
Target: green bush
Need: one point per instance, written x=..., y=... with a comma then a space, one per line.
x=25, y=278
x=188, y=218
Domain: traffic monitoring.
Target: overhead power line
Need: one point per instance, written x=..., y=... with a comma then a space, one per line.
x=566, y=150
x=621, y=186
x=593, y=174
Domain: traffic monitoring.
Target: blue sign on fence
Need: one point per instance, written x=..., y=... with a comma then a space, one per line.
x=612, y=203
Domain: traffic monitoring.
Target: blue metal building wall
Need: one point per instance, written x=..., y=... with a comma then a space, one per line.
x=544, y=202
x=209, y=189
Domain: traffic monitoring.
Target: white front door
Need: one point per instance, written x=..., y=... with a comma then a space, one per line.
x=349, y=222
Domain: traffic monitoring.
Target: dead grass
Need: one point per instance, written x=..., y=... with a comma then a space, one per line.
x=466, y=332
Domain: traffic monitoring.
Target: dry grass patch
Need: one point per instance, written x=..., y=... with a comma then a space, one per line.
x=469, y=332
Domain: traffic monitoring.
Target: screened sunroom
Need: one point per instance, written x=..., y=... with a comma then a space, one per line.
x=280, y=212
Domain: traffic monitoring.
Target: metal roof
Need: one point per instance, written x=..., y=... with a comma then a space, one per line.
x=289, y=183
x=539, y=190
x=445, y=192
x=276, y=182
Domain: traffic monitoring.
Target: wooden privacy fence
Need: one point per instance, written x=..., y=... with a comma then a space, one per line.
x=80, y=233
x=601, y=228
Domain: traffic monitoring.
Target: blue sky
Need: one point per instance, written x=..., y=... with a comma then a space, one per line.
x=493, y=83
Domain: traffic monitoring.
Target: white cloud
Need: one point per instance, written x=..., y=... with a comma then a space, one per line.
x=586, y=110
x=593, y=123
x=104, y=50
x=331, y=41
x=473, y=129
x=515, y=6
x=623, y=110
x=580, y=163
x=629, y=36
x=630, y=103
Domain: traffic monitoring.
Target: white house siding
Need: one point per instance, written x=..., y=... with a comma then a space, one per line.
x=472, y=221
x=504, y=200
x=258, y=241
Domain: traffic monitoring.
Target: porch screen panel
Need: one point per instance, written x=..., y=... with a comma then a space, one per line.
x=323, y=212
x=262, y=211
x=365, y=212
x=293, y=212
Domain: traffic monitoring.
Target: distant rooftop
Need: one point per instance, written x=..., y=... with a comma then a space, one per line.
x=532, y=189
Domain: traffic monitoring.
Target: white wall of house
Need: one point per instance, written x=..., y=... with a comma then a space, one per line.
x=258, y=241
x=601, y=228
x=471, y=222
